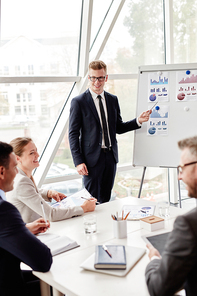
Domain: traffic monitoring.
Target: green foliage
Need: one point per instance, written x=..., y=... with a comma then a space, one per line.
x=145, y=25
x=185, y=30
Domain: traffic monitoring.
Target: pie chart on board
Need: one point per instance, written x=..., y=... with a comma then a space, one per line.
x=152, y=130
x=181, y=96
x=152, y=97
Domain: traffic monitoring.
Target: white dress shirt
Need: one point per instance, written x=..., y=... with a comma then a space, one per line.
x=2, y=194
x=96, y=102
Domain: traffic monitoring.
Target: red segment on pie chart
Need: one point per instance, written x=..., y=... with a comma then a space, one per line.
x=181, y=96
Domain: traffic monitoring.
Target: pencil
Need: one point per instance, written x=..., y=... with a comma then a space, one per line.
x=126, y=215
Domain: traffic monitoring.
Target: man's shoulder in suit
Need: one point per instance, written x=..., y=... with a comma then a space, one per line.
x=110, y=95
x=190, y=217
x=82, y=95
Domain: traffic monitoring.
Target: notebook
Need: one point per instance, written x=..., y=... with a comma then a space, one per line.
x=57, y=244
x=133, y=255
x=114, y=257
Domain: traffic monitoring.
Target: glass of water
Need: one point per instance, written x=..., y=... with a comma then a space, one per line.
x=89, y=222
x=164, y=209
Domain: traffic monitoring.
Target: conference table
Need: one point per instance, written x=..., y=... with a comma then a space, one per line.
x=68, y=278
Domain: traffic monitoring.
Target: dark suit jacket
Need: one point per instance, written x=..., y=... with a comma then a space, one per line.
x=18, y=244
x=178, y=265
x=85, y=131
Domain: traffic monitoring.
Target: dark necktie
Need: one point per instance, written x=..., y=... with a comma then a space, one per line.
x=106, y=138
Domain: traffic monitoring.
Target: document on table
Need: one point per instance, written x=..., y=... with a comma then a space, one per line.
x=57, y=244
x=73, y=200
x=137, y=212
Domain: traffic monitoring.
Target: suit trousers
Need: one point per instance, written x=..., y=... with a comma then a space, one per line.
x=100, y=179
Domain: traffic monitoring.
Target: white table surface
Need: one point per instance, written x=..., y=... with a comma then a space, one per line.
x=66, y=275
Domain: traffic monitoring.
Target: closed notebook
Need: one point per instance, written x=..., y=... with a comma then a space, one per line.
x=103, y=260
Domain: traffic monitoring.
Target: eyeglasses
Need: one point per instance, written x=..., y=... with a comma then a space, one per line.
x=180, y=167
x=94, y=79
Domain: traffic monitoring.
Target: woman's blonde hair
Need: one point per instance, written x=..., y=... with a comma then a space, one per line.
x=18, y=144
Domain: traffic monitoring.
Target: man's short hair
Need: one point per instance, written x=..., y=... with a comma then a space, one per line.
x=5, y=151
x=98, y=65
x=190, y=143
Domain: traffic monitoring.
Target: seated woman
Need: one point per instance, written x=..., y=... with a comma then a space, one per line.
x=27, y=197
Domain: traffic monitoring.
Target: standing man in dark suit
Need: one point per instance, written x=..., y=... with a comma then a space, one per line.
x=17, y=240
x=94, y=121
x=177, y=268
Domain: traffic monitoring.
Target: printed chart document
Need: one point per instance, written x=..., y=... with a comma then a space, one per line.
x=73, y=200
x=137, y=212
x=57, y=244
x=133, y=255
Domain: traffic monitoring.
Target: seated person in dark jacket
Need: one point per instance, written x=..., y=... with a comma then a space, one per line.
x=17, y=240
x=177, y=267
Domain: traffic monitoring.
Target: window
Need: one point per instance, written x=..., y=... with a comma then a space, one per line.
x=18, y=98
x=44, y=110
x=17, y=110
x=29, y=97
x=6, y=70
x=185, y=31
x=130, y=43
x=25, y=110
x=32, y=110
x=43, y=95
x=37, y=42
x=30, y=69
x=17, y=70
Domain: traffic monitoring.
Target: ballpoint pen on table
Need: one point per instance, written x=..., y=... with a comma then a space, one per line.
x=106, y=250
x=87, y=198
x=44, y=216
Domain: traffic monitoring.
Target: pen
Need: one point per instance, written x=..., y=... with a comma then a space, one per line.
x=114, y=217
x=44, y=216
x=106, y=250
x=87, y=198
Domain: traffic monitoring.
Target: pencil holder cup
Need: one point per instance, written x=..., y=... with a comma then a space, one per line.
x=120, y=228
